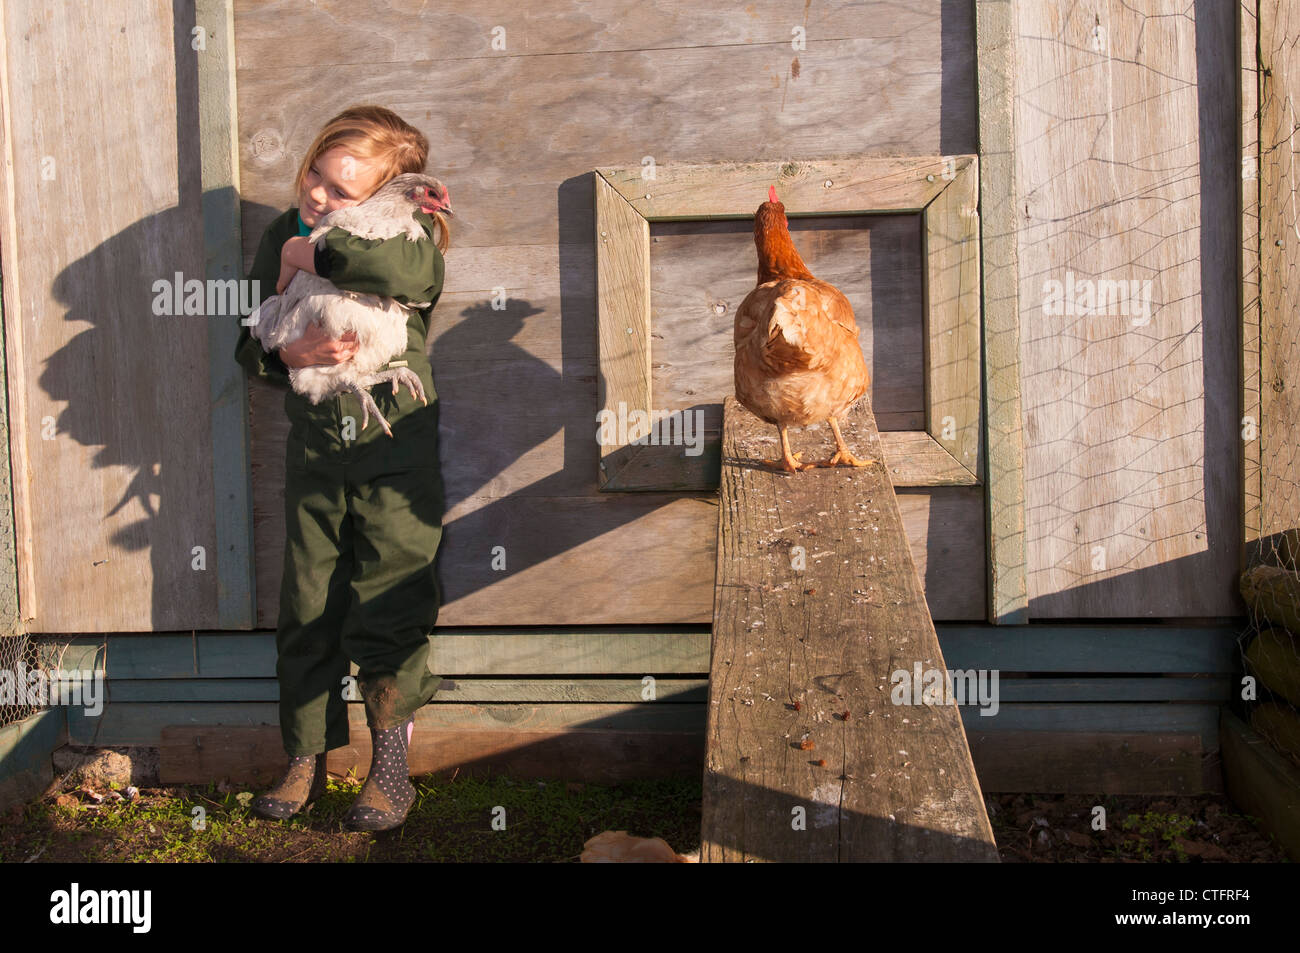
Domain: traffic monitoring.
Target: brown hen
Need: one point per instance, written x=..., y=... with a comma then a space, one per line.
x=798, y=360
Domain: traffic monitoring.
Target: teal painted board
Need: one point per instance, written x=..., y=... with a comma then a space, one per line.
x=1101, y=689
x=149, y=656
x=459, y=690
x=461, y=653
x=614, y=650
x=142, y=724
x=667, y=690
x=1122, y=717
x=132, y=723
x=26, y=768
x=1092, y=648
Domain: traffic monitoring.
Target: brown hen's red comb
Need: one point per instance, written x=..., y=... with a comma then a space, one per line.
x=771, y=193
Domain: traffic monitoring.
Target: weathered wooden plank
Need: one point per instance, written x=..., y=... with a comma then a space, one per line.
x=219, y=162
x=999, y=219
x=952, y=318
x=1051, y=762
x=726, y=190
x=622, y=242
x=1126, y=170
x=1261, y=781
x=817, y=602
x=113, y=503
x=1279, y=250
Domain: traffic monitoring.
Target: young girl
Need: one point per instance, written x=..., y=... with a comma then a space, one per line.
x=363, y=511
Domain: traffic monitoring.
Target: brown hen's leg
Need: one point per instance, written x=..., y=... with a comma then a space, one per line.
x=788, y=461
x=842, y=455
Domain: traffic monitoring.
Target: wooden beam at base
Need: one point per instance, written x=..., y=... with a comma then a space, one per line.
x=1066, y=762
x=818, y=602
x=254, y=754
x=1262, y=782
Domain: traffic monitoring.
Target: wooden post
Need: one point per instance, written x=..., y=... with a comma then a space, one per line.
x=817, y=604
x=231, y=472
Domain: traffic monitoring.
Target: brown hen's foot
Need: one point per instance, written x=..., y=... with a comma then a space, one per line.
x=789, y=462
x=844, y=458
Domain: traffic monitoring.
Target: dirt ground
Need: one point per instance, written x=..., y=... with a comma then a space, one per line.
x=548, y=822
x=1058, y=828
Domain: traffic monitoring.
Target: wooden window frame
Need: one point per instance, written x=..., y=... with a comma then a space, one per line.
x=943, y=190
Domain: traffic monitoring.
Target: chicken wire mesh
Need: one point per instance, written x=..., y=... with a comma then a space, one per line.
x=18, y=658
x=1270, y=645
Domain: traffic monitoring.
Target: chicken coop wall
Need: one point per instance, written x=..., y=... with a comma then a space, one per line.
x=1107, y=152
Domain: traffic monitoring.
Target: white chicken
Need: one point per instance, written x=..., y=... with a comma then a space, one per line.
x=379, y=322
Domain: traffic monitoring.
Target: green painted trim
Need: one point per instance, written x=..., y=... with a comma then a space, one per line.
x=1165, y=650
x=25, y=748
x=509, y=653
x=669, y=691
x=142, y=723
x=231, y=472
x=1084, y=718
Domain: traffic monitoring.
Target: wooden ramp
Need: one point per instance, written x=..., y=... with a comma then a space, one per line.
x=803, y=636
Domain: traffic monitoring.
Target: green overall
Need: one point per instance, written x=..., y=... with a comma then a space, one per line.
x=362, y=511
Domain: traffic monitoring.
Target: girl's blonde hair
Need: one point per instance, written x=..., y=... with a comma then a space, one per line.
x=381, y=137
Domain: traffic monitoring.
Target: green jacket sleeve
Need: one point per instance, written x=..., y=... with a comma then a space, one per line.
x=409, y=271
x=266, y=271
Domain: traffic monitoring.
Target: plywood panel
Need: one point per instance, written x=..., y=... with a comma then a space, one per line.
x=644, y=557
x=109, y=401
x=1127, y=171
x=580, y=86
x=513, y=131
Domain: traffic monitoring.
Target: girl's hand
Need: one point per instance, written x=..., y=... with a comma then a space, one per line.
x=314, y=347
x=297, y=254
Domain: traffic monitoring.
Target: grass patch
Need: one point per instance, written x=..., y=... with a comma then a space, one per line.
x=497, y=819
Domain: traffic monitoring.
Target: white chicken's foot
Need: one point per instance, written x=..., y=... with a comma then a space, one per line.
x=400, y=376
x=368, y=407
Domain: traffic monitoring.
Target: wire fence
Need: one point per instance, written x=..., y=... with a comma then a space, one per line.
x=1270, y=646
x=19, y=697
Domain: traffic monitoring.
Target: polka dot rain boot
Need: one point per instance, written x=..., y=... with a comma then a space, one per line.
x=301, y=785
x=388, y=792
